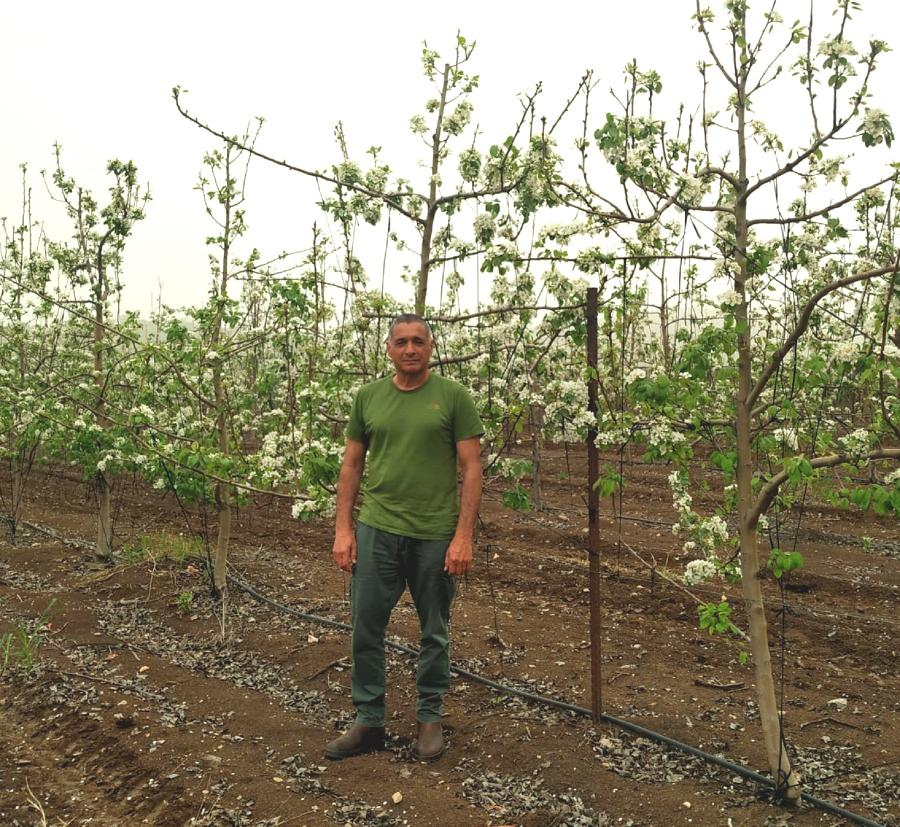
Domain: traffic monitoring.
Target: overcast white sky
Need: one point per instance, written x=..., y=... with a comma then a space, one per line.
x=97, y=77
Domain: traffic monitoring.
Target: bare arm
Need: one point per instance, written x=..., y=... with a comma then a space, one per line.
x=459, y=553
x=344, y=550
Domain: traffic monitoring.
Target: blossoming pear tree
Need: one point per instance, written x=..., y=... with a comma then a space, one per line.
x=91, y=262
x=777, y=341
x=516, y=167
x=31, y=328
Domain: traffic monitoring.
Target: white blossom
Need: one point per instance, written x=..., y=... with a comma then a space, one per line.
x=856, y=443
x=873, y=122
x=731, y=298
x=612, y=437
x=788, y=436
x=692, y=190
x=559, y=232
x=457, y=121
x=484, y=227
x=503, y=246
x=699, y=571
x=836, y=47
x=634, y=374
x=303, y=507
x=682, y=500
x=717, y=528
x=664, y=438
x=846, y=351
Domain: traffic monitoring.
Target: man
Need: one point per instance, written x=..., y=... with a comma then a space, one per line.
x=415, y=528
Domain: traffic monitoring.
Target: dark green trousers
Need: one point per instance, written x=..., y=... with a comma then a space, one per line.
x=385, y=565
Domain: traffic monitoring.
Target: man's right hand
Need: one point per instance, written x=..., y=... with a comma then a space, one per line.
x=344, y=551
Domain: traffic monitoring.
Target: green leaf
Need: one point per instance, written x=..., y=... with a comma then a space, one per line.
x=517, y=499
x=781, y=562
x=862, y=498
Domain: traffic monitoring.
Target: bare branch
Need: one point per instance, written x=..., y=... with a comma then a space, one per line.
x=798, y=219
x=582, y=84
x=722, y=173
x=491, y=312
x=390, y=198
x=703, y=30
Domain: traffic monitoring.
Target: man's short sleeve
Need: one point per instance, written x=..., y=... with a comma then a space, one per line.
x=466, y=422
x=356, y=426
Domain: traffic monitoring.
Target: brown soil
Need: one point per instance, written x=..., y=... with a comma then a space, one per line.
x=138, y=713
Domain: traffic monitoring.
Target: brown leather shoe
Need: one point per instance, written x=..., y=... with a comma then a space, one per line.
x=430, y=741
x=355, y=741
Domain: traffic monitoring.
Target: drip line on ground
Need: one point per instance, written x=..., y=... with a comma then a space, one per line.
x=564, y=706
x=621, y=723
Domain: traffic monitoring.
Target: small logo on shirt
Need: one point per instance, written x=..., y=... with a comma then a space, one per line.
x=433, y=406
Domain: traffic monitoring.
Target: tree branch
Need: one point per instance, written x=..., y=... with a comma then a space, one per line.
x=770, y=489
x=391, y=199
x=790, y=166
x=722, y=173
x=87, y=317
x=504, y=188
x=797, y=219
x=803, y=322
x=702, y=26
x=496, y=310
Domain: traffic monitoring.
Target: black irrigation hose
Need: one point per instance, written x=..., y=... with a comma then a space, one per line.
x=637, y=729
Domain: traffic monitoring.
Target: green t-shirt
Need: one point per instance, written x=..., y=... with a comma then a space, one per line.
x=410, y=487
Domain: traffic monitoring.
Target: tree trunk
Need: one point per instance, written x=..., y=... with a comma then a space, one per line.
x=104, y=521
x=104, y=517
x=223, y=492
x=223, y=500
x=431, y=214
x=779, y=763
x=537, y=424
x=664, y=329
x=18, y=488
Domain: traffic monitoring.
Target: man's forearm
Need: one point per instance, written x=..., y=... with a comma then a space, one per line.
x=348, y=487
x=469, y=501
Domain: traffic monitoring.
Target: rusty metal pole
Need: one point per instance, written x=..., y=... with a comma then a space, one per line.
x=594, y=510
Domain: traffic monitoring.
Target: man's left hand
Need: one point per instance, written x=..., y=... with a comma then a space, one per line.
x=458, y=559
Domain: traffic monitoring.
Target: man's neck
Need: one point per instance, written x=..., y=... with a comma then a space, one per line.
x=405, y=382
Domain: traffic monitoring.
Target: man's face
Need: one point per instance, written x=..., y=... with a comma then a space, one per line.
x=409, y=348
